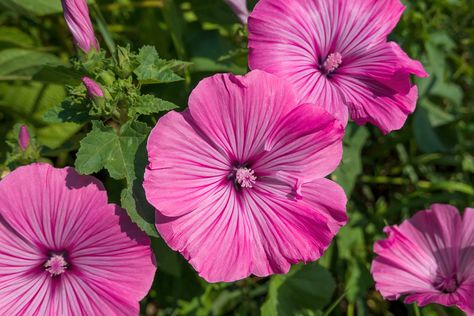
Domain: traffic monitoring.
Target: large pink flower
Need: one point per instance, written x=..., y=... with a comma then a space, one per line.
x=429, y=258
x=336, y=54
x=238, y=179
x=64, y=250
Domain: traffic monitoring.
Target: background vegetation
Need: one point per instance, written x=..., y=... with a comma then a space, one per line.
x=387, y=178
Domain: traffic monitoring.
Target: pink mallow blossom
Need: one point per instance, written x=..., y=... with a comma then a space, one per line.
x=336, y=54
x=429, y=258
x=76, y=14
x=64, y=250
x=93, y=88
x=24, y=138
x=238, y=178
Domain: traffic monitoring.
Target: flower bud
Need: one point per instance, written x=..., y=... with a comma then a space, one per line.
x=93, y=88
x=76, y=14
x=240, y=9
x=24, y=138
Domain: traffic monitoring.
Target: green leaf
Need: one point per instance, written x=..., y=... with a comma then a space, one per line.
x=35, y=7
x=15, y=37
x=140, y=212
x=152, y=69
x=22, y=64
x=351, y=166
x=67, y=111
x=176, y=23
x=149, y=104
x=426, y=137
x=351, y=242
x=214, y=11
x=358, y=281
x=123, y=154
x=104, y=148
x=304, y=287
x=96, y=148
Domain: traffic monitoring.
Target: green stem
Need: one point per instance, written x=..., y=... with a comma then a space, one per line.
x=102, y=25
x=417, y=310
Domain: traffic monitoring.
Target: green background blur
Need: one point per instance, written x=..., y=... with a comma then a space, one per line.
x=387, y=178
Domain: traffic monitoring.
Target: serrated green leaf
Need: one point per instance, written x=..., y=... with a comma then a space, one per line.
x=152, y=69
x=149, y=104
x=124, y=156
x=96, y=148
x=304, y=287
x=104, y=148
x=351, y=166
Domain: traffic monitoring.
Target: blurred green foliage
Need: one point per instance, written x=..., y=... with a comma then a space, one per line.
x=387, y=178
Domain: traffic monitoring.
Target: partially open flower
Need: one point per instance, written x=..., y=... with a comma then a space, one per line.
x=24, y=138
x=93, y=88
x=76, y=14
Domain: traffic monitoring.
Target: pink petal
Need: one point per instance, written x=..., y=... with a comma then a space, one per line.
x=185, y=168
x=376, y=86
x=467, y=245
x=238, y=113
x=26, y=294
x=369, y=102
x=253, y=233
x=307, y=144
x=329, y=199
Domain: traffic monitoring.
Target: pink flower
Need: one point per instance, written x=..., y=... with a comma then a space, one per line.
x=429, y=258
x=240, y=9
x=64, y=250
x=238, y=179
x=24, y=138
x=93, y=88
x=76, y=14
x=336, y=54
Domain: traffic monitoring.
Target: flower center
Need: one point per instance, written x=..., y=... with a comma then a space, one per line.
x=245, y=177
x=446, y=285
x=56, y=265
x=332, y=62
